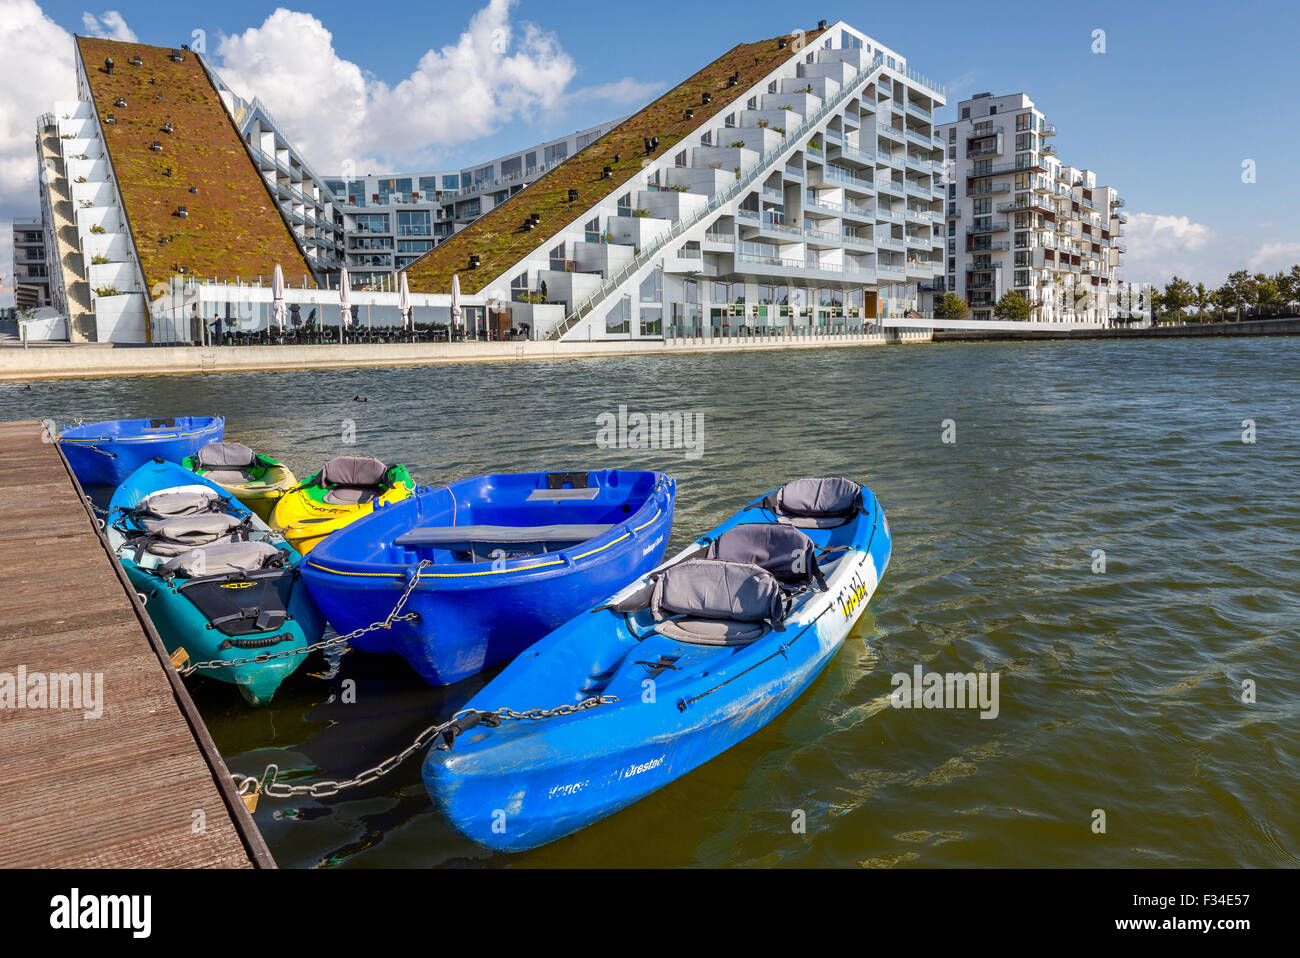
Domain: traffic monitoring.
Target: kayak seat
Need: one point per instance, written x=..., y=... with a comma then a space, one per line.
x=161, y=507
x=354, y=479
x=177, y=536
x=717, y=602
x=225, y=455
x=351, y=495
x=782, y=550
x=816, y=503
x=223, y=559
x=446, y=536
x=723, y=632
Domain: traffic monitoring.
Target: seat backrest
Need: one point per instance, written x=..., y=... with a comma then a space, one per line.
x=784, y=551
x=353, y=471
x=169, y=505
x=716, y=589
x=223, y=558
x=818, y=502
x=176, y=536
x=225, y=455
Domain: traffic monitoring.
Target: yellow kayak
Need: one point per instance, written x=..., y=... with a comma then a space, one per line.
x=255, y=480
x=346, y=488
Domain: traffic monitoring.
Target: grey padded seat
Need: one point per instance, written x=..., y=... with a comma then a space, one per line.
x=817, y=503
x=177, y=536
x=227, y=462
x=356, y=479
x=156, y=509
x=782, y=550
x=222, y=558
x=716, y=602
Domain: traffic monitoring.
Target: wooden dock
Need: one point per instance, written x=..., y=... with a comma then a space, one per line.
x=140, y=786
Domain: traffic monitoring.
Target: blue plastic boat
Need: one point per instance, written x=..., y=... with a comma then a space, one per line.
x=699, y=655
x=215, y=579
x=105, y=453
x=508, y=559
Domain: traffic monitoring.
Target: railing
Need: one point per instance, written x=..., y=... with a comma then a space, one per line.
x=747, y=180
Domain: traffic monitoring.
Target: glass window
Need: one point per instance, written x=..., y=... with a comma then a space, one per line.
x=451, y=181
x=429, y=184
x=414, y=223
x=556, y=152
x=652, y=287
x=619, y=319
x=652, y=320
x=512, y=166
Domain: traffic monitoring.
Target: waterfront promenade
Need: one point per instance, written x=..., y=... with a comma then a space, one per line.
x=70, y=362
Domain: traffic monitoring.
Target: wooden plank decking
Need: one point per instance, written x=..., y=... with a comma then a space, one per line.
x=125, y=789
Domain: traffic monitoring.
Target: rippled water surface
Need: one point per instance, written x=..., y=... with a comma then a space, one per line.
x=1120, y=690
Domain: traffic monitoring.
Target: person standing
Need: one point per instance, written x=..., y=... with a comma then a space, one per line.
x=216, y=330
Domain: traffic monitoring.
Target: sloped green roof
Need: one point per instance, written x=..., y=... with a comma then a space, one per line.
x=234, y=227
x=499, y=238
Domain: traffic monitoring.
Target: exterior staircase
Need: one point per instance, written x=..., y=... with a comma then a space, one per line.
x=81, y=314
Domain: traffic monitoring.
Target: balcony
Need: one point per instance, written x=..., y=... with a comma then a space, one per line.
x=993, y=188
x=889, y=133
x=999, y=247
x=1117, y=201
x=1001, y=226
x=919, y=111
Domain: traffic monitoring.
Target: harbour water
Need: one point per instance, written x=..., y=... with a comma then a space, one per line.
x=1098, y=534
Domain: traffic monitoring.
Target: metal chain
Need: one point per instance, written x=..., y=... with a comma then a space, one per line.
x=385, y=623
x=267, y=785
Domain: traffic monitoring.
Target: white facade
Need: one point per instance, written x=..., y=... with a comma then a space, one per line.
x=1020, y=219
x=389, y=219
x=812, y=203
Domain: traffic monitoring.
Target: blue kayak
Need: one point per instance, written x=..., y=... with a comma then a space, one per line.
x=671, y=671
x=496, y=562
x=105, y=453
x=215, y=579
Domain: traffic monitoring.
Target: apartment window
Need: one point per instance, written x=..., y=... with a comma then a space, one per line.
x=652, y=287
x=428, y=184
x=965, y=113
x=982, y=206
x=952, y=134
x=372, y=223
x=414, y=246
x=1024, y=121
x=952, y=263
x=706, y=139
x=771, y=86
x=591, y=231
x=652, y=320
x=619, y=319
x=680, y=159
x=625, y=205
x=556, y=152
x=558, y=260
x=451, y=181
x=414, y=223
x=729, y=120
x=952, y=191
x=512, y=167
x=752, y=103
x=993, y=110
x=952, y=152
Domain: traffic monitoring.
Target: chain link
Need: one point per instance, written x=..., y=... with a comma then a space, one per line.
x=385, y=623
x=267, y=785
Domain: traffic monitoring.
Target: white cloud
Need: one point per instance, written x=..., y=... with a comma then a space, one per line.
x=110, y=25
x=1271, y=257
x=1160, y=246
x=337, y=113
x=625, y=92
x=35, y=70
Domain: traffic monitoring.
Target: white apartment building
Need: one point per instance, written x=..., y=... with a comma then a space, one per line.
x=388, y=220
x=808, y=202
x=31, y=271
x=1018, y=218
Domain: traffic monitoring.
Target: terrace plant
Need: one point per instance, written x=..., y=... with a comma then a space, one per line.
x=98, y=260
x=107, y=291
x=97, y=229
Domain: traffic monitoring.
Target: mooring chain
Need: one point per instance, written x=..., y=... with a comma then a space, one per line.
x=385, y=623
x=250, y=788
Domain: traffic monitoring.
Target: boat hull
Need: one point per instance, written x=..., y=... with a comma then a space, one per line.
x=474, y=619
x=526, y=783
x=180, y=623
x=107, y=456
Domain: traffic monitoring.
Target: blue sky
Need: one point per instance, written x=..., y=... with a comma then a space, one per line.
x=1182, y=96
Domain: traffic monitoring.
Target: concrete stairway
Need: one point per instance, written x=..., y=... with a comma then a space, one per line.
x=81, y=315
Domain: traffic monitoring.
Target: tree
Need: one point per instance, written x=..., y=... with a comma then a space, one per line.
x=950, y=306
x=1266, y=293
x=1178, y=296
x=1238, y=292
x=1204, y=299
x=1293, y=285
x=1012, y=306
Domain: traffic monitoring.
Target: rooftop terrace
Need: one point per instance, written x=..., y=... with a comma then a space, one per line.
x=233, y=226
x=499, y=238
